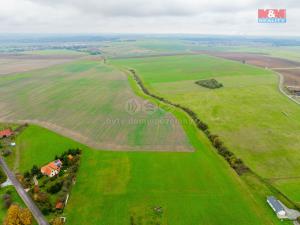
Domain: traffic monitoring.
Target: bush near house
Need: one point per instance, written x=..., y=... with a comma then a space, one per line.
x=2, y=176
x=7, y=200
x=6, y=152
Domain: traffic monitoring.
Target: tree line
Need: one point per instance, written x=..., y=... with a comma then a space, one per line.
x=236, y=163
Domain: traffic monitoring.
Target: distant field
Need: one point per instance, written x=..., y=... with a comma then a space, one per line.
x=17, y=63
x=289, y=69
x=118, y=187
x=54, y=52
x=253, y=118
x=89, y=101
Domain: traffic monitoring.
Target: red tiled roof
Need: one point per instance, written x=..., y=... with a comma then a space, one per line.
x=6, y=132
x=59, y=205
x=47, y=169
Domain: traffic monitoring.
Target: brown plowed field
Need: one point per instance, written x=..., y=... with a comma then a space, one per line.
x=289, y=69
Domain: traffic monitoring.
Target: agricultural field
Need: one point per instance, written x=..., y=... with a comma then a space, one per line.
x=251, y=116
x=17, y=63
x=125, y=187
x=288, y=68
x=92, y=103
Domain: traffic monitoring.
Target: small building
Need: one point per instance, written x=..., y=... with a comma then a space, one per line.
x=6, y=133
x=276, y=206
x=52, y=169
x=59, y=205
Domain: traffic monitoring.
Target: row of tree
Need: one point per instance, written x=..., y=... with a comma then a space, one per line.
x=236, y=163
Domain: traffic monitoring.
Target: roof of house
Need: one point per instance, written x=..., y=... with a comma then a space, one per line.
x=55, y=165
x=46, y=170
x=275, y=204
x=59, y=205
x=6, y=132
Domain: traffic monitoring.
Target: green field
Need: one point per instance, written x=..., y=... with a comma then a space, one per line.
x=252, y=117
x=87, y=100
x=112, y=187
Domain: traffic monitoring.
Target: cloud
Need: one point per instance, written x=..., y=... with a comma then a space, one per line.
x=138, y=8
x=143, y=16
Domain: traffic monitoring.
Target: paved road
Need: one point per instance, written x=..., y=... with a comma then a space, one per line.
x=26, y=198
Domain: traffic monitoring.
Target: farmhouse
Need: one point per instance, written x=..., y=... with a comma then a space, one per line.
x=276, y=206
x=52, y=169
x=6, y=133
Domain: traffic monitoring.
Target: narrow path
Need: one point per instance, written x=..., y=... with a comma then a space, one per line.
x=17, y=159
x=37, y=214
x=285, y=68
x=280, y=87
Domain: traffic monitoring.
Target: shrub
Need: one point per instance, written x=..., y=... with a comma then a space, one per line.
x=27, y=175
x=55, y=188
x=43, y=203
x=7, y=201
x=2, y=176
x=57, y=221
x=6, y=152
x=35, y=170
x=211, y=83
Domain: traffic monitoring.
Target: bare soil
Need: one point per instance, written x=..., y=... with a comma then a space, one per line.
x=289, y=69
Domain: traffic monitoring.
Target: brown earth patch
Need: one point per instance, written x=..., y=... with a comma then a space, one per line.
x=289, y=69
x=291, y=76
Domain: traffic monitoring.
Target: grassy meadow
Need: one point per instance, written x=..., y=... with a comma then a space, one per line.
x=250, y=115
x=121, y=187
x=87, y=100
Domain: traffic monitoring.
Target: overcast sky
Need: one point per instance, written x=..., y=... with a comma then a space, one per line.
x=238, y=17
